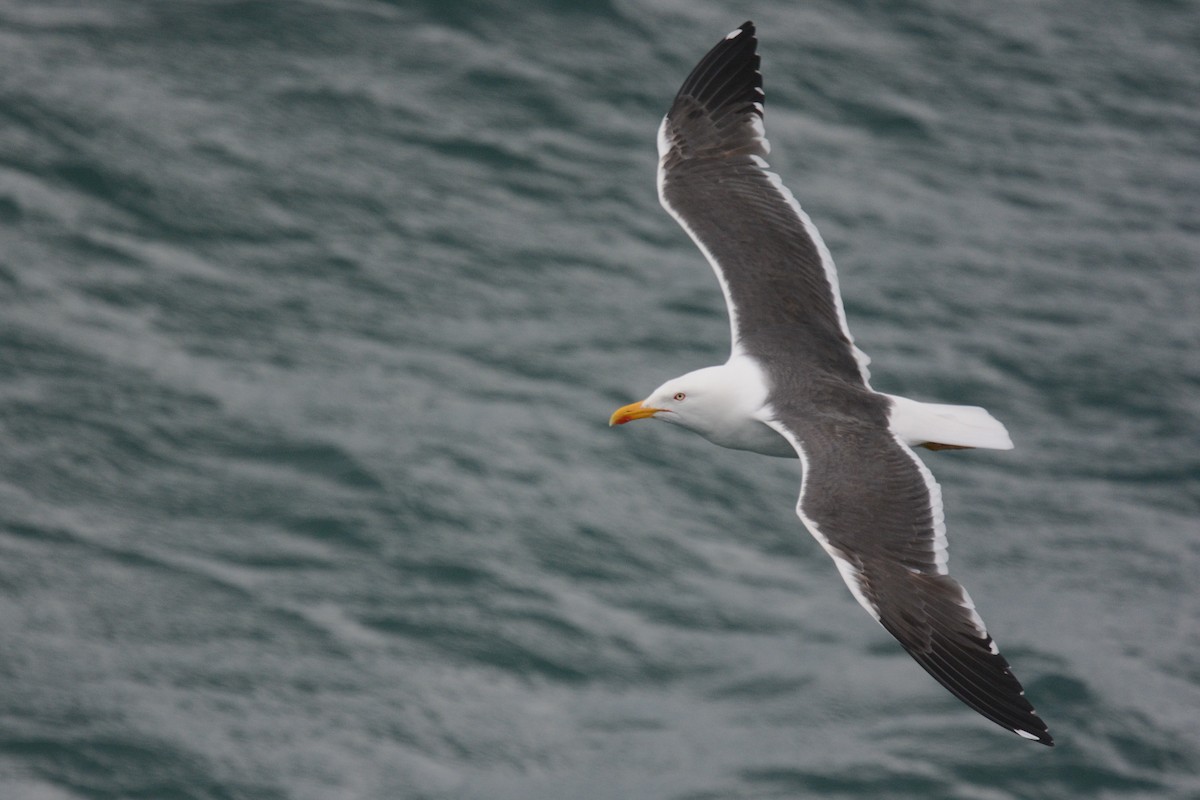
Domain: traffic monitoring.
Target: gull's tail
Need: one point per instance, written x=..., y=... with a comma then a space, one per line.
x=945, y=427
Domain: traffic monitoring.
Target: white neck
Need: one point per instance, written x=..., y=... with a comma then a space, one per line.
x=726, y=405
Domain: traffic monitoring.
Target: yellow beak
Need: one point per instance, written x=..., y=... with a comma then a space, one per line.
x=631, y=412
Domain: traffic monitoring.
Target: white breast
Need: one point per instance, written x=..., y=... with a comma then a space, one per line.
x=752, y=435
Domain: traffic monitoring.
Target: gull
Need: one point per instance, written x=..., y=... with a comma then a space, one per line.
x=795, y=385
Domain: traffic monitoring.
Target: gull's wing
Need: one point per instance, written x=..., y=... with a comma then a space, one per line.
x=778, y=277
x=876, y=509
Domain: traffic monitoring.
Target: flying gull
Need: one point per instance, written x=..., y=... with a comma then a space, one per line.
x=795, y=385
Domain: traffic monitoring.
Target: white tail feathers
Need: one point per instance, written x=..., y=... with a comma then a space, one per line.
x=938, y=426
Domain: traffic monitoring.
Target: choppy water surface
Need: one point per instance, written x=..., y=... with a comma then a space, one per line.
x=312, y=315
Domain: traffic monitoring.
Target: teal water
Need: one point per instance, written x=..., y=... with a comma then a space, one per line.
x=312, y=315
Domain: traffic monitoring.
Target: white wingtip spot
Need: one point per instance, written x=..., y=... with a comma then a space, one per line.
x=733, y=34
x=1027, y=735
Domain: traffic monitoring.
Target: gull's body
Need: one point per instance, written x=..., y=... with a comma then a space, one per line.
x=795, y=385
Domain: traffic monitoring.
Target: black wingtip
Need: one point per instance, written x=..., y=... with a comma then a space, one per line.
x=728, y=76
x=933, y=618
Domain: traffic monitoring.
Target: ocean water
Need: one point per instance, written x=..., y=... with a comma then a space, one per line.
x=312, y=315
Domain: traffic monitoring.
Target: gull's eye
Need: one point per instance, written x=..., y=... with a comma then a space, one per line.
x=680, y=395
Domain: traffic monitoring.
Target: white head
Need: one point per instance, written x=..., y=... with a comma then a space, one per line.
x=726, y=405
x=702, y=401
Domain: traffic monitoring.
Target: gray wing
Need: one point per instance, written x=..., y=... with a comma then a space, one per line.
x=779, y=280
x=876, y=509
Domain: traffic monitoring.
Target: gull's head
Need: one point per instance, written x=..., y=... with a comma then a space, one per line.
x=696, y=401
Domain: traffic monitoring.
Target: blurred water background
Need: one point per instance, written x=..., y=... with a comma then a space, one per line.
x=312, y=315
